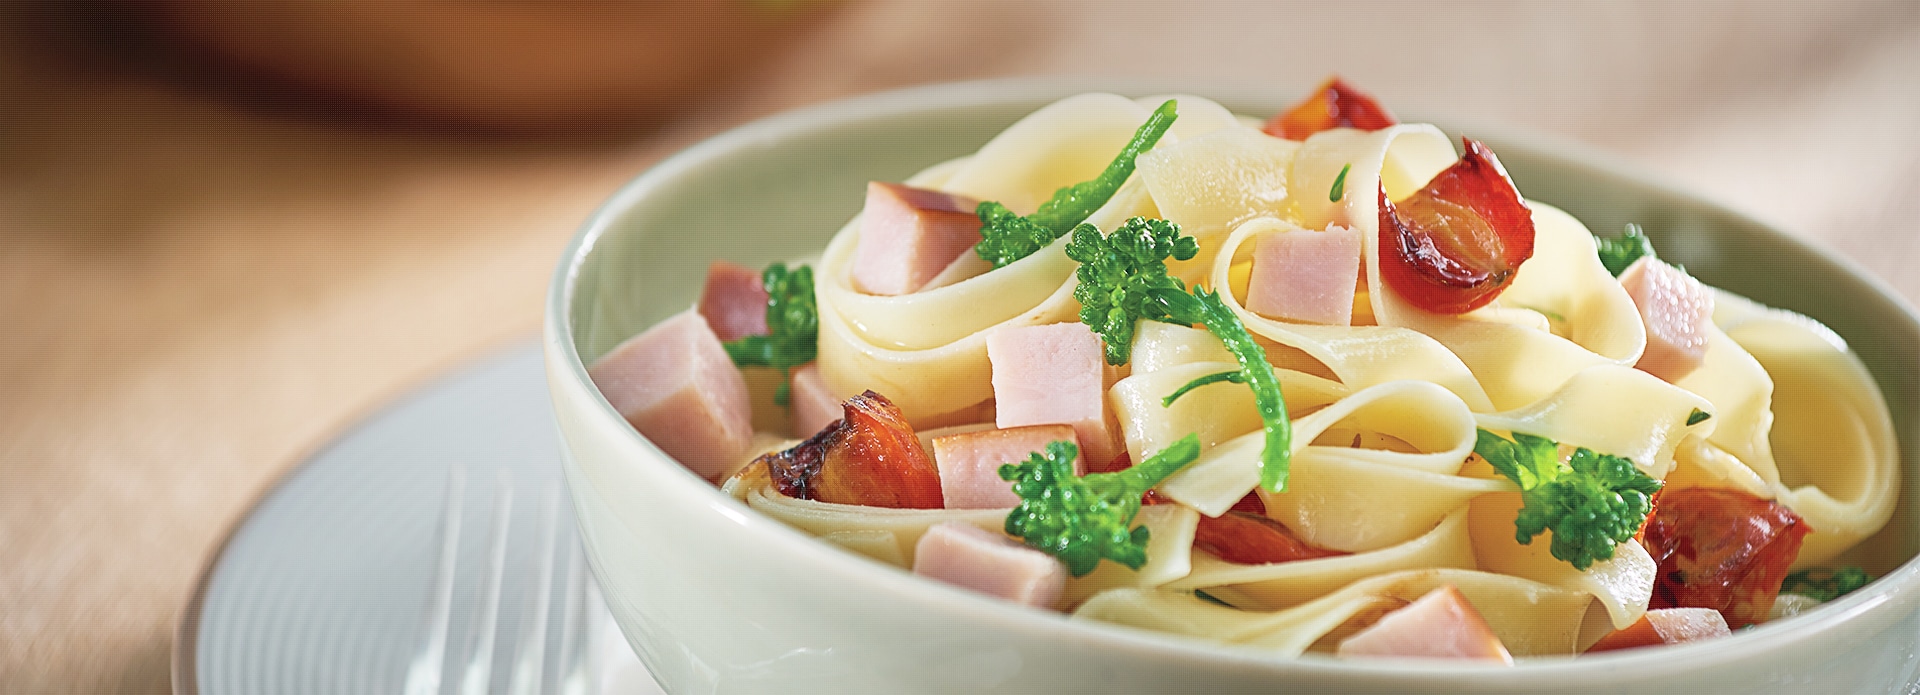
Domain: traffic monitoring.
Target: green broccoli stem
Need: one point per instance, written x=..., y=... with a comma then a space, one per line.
x=1141, y=477
x=783, y=394
x=1233, y=376
x=760, y=351
x=750, y=351
x=1277, y=456
x=1207, y=309
x=1006, y=237
x=1074, y=204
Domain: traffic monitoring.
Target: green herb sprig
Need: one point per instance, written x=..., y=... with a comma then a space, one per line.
x=1081, y=519
x=1123, y=279
x=1825, y=584
x=1592, y=502
x=1616, y=253
x=793, y=326
x=1339, y=189
x=1006, y=237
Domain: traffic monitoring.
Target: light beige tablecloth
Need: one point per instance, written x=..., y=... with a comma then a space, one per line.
x=195, y=291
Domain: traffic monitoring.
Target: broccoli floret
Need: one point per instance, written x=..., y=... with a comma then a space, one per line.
x=1592, y=502
x=1616, y=253
x=1118, y=274
x=793, y=326
x=1823, y=584
x=1081, y=519
x=1123, y=279
x=1006, y=237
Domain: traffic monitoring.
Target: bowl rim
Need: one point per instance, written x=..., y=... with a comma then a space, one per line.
x=1899, y=587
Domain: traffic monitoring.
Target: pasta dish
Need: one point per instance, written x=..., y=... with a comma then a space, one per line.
x=1321, y=383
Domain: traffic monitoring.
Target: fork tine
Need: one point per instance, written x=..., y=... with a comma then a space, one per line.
x=479, y=673
x=575, y=628
x=529, y=668
x=423, y=675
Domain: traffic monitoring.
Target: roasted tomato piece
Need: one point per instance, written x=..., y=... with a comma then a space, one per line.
x=1335, y=104
x=1722, y=549
x=1452, y=246
x=1251, y=539
x=869, y=457
x=793, y=471
x=1251, y=504
x=1119, y=462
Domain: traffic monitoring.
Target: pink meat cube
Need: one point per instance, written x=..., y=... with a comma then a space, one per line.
x=1052, y=375
x=1676, y=310
x=734, y=303
x=970, y=463
x=1440, y=625
x=676, y=385
x=1306, y=276
x=908, y=235
x=960, y=553
x=813, y=405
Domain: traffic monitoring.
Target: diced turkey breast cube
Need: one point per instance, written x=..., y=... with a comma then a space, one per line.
x=676, y=385
x=960, y=553
x=1306, y=276
x=812, y=403
x=1676, y=310
x=733, y=302
x=908, y=235
x=1440, y=625
x=1666, y=626
x=970, y=463
x=1052, y=375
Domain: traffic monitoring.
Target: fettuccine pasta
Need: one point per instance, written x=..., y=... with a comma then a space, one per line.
x=1389, y=492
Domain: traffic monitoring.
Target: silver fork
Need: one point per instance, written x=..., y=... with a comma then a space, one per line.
x=528, y=669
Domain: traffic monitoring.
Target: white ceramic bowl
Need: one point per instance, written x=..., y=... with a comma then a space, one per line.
x=717, y=598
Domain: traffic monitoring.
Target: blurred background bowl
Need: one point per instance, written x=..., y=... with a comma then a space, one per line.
x=716, y=597
x=512, y=65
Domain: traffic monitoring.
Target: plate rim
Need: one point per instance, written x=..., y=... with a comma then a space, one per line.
x=185, y=652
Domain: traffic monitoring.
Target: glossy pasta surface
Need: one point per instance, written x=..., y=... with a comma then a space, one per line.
x=1384, y=412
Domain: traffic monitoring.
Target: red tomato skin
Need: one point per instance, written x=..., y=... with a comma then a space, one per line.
x=1251, y=504
x=1250, y=539
x=1639, y=634
x=1722, y=549
x=1335, y=104
x=1119, y=462
x=1416, y=268
x=870, y=457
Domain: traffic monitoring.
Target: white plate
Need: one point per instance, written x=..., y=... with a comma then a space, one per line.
x=326, y=585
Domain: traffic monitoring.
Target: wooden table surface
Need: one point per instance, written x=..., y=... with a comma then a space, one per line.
x=196, y=288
